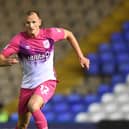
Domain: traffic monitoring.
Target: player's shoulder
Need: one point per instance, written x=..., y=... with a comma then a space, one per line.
x=49, y=29
x=18, y=37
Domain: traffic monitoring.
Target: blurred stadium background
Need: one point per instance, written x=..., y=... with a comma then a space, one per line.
x=84, y=98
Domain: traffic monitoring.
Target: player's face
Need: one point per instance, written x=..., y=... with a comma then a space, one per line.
x=32, y=24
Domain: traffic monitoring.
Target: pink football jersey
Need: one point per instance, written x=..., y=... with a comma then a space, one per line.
x=35, y=54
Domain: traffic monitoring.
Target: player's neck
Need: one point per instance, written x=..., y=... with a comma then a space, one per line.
x=34, y=35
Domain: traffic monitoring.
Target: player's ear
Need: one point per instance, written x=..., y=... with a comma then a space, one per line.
x=40, y=22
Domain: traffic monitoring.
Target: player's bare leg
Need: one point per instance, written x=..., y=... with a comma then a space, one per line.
x=23, y=120
x=34, y=105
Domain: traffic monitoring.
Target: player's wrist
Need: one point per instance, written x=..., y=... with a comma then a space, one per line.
x=81, y=57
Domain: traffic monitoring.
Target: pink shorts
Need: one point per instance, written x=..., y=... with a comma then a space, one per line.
x=46, y=90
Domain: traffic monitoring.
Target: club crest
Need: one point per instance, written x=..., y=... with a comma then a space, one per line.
x=46, y=44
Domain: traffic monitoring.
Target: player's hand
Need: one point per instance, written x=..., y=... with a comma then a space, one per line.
x=12, y=61
x=7, y=61
x=85, y=62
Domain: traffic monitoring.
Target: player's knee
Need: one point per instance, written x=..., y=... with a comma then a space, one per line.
x=33, y=106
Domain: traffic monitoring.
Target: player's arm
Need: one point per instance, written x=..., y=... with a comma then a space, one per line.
x=74, y=43
x=7, y=53
x=7, y=61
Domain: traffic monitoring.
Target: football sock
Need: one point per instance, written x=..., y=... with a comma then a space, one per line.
x=40, y=120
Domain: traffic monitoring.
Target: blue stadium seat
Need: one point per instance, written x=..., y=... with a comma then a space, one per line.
x=47, y=107
x=125, y=26
x=103, y=88
x=76, y=108
x=123, y=68
x=104, y=47
x=108, y=68
x=94, y=64
x=122, y=57
x=94, y=69
x=117, y=37
x=74, y=98
x=91, y=98
x=61, y=107
x=13, y=117
x=118, y=47
x=117, y=78
x=105, y=52
x=93, y=57
x=65, y=117
x=58, y=98
x=126, y=36
x=107, y=63
x=106, y=57
x=50, y=116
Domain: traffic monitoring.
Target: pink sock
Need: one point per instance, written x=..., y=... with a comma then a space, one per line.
x=40, y=119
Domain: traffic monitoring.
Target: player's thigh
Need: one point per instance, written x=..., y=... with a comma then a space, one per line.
x=24, y=119
x=46, y=90
x=35, y=103
x=42, y=95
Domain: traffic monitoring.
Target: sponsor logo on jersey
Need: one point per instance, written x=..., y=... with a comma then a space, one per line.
x=42, y=57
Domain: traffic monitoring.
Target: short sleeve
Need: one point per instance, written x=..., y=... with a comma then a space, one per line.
x=56, y=34
x=12, y=47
